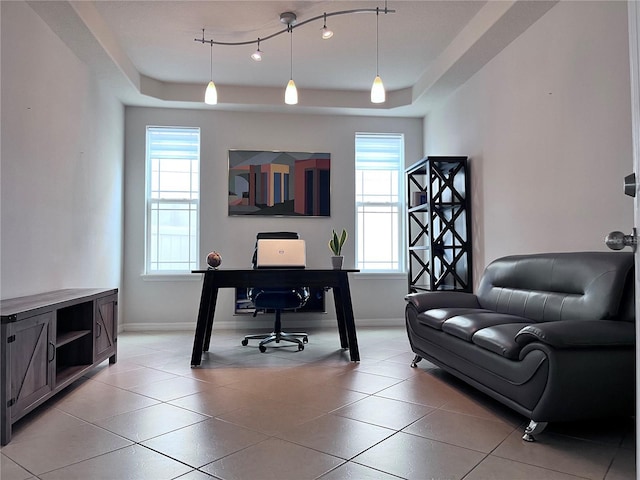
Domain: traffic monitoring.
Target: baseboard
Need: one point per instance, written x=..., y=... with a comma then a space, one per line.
x=255, y=324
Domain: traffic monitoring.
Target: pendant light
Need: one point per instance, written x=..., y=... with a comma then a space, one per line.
x=211, y=94
x=377, y=89
x=291, y=93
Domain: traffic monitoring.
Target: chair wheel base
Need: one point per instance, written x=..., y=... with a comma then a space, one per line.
x=277, y=336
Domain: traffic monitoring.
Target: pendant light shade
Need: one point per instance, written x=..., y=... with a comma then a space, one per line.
x=211, y=94
x=291, y=93
x=378, y=94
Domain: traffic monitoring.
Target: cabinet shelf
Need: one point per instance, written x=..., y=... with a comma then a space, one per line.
x=68, y=374
x=419, y=208
x=63, y=339
x=439, y=226
x=426, y=207
x=419, y=247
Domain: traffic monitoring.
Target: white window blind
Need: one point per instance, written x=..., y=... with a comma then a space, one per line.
x=172, y=196
x=379, y=202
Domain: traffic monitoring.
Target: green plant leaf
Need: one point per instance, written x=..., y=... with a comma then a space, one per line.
x=343, y=238
x=336, y=243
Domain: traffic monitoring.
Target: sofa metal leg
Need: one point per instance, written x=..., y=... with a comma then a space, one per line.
x=533, y=428
x=415, y=361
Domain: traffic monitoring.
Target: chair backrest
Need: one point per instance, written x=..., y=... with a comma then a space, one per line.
x=277, y=298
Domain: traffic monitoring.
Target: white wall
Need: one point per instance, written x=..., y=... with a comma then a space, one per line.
x=62, y=164
x=174, y=303
x=547, y=125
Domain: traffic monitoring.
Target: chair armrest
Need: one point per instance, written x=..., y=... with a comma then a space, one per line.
x=579, y=334
x=424, y=301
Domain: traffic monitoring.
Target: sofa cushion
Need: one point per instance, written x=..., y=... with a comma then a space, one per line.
x=435, y=317
x=464, y=326
x=500, y=339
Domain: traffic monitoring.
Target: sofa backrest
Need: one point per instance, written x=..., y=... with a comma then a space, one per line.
x=558, y=286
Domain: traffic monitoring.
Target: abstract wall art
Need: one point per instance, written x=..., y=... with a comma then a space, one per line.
x=278, y=183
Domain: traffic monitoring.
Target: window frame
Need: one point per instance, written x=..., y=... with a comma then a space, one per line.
x=192, y=203
x=398, y=216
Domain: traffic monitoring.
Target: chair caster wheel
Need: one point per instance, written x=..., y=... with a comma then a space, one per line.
x=245, y=342
x=300, y=347
x=305, y=340
x=262, y=348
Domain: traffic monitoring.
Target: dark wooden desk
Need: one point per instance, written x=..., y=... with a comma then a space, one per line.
x=216, y=279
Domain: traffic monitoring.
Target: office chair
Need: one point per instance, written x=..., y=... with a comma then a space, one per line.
x=278, y=299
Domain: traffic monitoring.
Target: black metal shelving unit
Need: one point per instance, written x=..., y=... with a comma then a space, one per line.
x=439, y=224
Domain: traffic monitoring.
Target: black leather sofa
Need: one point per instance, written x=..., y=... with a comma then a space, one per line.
x=551, y=336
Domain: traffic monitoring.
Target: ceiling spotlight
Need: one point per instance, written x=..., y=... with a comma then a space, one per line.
x=257, y=55
x=326, y=33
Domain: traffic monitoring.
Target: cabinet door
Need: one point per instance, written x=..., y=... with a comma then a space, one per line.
x=30, y=354
x=105, y=328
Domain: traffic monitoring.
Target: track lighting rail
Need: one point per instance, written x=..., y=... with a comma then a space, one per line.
x=292, y=25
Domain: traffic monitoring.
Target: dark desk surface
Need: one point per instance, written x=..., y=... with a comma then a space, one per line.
x=284, y=277
x=215, y=279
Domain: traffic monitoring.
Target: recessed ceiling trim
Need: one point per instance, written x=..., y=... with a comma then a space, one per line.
x=82, y=28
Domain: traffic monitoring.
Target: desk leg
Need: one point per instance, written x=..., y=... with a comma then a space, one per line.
x=342, y=329
x=349, y=321
x=204, y=323
x=212, y=309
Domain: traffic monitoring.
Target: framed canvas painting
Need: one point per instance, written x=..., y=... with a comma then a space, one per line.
x=277, y=183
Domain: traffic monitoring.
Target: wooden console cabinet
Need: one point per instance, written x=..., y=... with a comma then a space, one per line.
x=50, y=340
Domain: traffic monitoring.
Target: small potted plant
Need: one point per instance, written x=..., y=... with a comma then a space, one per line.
x=335, y=245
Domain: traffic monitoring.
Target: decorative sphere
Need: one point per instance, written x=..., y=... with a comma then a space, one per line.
x=214, y=259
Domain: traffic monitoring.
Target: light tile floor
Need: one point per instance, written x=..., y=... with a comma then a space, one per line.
x=286, y=414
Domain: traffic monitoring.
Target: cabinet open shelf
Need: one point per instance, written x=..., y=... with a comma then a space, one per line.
x=67, y=374
x=68, y=337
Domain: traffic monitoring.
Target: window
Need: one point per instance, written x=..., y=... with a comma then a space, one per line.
x=379, y=176
x=172, y=196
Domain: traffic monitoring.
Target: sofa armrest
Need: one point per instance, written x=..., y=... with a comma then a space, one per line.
x=424, y=301
x=579, y=334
